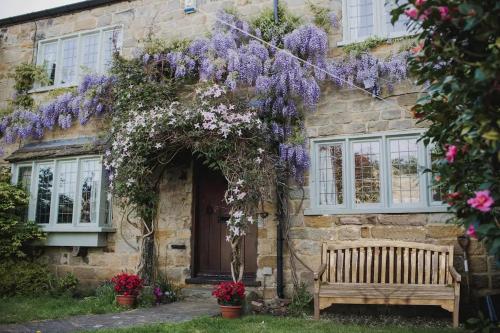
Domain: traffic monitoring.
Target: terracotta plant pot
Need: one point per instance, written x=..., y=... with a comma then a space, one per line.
x=126, y=301
x=230, y=311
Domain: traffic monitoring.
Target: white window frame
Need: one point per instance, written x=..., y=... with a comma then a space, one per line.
x=379, y=24
x=79, y=71
x=386, y=205
x=76, y=225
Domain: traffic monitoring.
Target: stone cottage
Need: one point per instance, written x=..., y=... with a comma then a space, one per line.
x=365, y=179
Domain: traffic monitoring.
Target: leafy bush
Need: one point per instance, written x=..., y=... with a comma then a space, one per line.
x=15, y=232
x=166, y=292
x=146, y=297
x=272, y=31
x=105, y=293
x=301, y=301
x=25, y=278
x=67, y=284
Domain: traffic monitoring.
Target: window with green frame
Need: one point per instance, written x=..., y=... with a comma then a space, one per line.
x=372, y=173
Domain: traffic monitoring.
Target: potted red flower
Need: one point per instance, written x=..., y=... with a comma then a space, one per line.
x=230, y=296
x=127, y=287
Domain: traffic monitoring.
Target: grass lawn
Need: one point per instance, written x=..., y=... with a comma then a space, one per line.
x=23, y=309
x=267, y=324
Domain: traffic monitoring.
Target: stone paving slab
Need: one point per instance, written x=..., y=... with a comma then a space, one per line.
x=167, y=313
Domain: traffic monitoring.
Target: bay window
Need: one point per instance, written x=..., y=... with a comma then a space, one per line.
x=65, y=194
x=372, y=173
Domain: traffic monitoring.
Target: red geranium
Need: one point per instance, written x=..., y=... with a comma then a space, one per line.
x=127, y=284
x=229, y=293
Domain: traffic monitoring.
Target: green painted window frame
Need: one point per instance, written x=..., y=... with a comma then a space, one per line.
x=425, y=204
x=103, y=216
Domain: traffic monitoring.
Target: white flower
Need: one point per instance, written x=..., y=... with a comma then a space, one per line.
x=238, y=214
x=228, y=238
x=158, y=145
x=130, y=181
x=241, y=195
x=258, y=160
x=230, y=199
x=240, y=182
x=250, y=219
x=260, y=150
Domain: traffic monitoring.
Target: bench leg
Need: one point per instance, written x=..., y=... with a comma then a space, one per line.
x=316, y=306
x=456, y=305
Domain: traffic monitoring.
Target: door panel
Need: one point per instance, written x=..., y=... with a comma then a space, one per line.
x=212, y=251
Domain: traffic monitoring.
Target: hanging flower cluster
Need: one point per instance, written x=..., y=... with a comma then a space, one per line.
x=90, y=99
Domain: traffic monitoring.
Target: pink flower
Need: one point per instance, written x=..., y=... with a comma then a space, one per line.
x=451, y=153
x=420, y=2
x=482, y=201
x=444, y=12
x=412, y=13
x=471, y=231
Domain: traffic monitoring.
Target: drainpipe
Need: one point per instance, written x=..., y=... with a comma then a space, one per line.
x=280, y=192
x=275, y=3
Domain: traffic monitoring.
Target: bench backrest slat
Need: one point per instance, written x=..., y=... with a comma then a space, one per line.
x=387, y=262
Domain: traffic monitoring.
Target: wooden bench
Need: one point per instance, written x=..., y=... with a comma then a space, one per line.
x=387, y=272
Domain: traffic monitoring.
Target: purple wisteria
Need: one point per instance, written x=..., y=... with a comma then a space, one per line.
x=90, y=99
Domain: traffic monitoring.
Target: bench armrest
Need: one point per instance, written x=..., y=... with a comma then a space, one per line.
x=319, y=272
x=455, y=274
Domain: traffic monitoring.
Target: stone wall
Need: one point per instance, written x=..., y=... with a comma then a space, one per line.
x=345, y=111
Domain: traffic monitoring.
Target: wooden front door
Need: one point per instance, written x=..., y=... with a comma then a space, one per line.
x=212, y=252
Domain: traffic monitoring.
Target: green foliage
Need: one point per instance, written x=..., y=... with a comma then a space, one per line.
x=301, y=301
x=270, y=324
x=321, y=16
x=368, y=44
x=15, y=233
x=25, y=75
x=20, y=309
x=171, y=291
x=67, y=284
x=161, y=46
x=146, y=297
x=458, y=59
x=23, y=277
x=105, y=293
x=272, y=31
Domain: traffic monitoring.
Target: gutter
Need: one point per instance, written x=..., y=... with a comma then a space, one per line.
x=58, y=11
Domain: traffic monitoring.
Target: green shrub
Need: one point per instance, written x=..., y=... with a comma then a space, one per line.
x=15, y=232
x=105, y=293
x=146, y=298
x=301, y=301
x=24, y=277
x=67, y=284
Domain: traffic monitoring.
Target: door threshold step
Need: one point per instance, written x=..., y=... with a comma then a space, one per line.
x=249, y=282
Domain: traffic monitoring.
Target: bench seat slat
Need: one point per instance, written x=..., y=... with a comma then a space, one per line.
x=387, y=291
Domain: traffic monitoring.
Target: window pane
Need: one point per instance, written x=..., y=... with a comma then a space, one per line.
x=90, y=46
x=49, y=56
x=66, y=189
x=438, y=193
x=24, y=178
x=366, y=172
x=111, y=41
x=360, y=18
x=404, y=171
x=45, y=181
x=89, y=187
x=69, y=47
x=330, y=175
x=400, y=25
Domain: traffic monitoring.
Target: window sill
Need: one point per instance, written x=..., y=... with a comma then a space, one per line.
x=71, y=228
x=76, y=236
x=386, y=40
x=399, y=210
x=50, y=88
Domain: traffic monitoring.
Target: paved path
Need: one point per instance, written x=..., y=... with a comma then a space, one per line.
x=168, y=313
